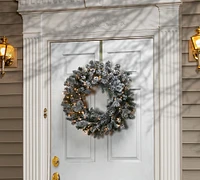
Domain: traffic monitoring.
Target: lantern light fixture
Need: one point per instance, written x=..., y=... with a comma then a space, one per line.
x=194, y=48
x=7, y=55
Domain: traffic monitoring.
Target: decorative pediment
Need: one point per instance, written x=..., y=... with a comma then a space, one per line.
x=53, y=5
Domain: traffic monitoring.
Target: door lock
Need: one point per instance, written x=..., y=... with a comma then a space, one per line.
x=56, y=176
x=55, y=161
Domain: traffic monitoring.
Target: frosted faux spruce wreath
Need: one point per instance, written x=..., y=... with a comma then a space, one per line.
x=120, y=105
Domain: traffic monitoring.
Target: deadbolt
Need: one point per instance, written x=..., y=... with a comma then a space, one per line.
x=56, y=176
x=55, y=161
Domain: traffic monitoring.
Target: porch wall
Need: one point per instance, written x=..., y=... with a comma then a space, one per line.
x=11, y=148
x=191, y=95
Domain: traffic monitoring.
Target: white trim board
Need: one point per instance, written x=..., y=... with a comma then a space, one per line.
x=55, y=5
x=159, y=23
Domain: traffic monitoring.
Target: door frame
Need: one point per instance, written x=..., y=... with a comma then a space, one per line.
x=38, y=37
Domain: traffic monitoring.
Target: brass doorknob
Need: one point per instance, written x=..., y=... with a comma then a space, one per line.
x=56, y=176
x=55, y=161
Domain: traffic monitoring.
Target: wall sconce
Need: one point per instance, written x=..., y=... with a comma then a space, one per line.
x=7, y=55
x=194, y=48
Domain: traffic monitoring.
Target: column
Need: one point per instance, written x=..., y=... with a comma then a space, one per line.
x=33, y=120
x=170, y=92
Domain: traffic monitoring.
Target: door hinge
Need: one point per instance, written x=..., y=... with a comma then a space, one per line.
x=45, y=113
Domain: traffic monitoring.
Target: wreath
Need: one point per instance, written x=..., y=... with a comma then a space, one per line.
x=120, y=105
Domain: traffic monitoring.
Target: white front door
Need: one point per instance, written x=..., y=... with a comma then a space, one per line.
x=128, y=155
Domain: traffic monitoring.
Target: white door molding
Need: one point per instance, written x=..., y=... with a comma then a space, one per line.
x=41, y=28
x=55, y=5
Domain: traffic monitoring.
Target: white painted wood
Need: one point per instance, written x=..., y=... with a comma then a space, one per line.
x=131, y=55
x=107, y=20
x=32, y=108
x=110, y=3
x=130, y=152
x=46, y=5
x=66, y=142
x=39, y=167
x=170, y=93
x=41, y=5
x=172, y=18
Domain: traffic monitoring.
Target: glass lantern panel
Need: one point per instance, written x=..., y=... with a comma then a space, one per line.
x=9, y=51
x=2, y=49
x=196, y=42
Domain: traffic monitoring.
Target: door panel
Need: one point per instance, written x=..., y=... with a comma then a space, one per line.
x=66, y=142
x=136, y=144
x=126, y=155
x=126, y=145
